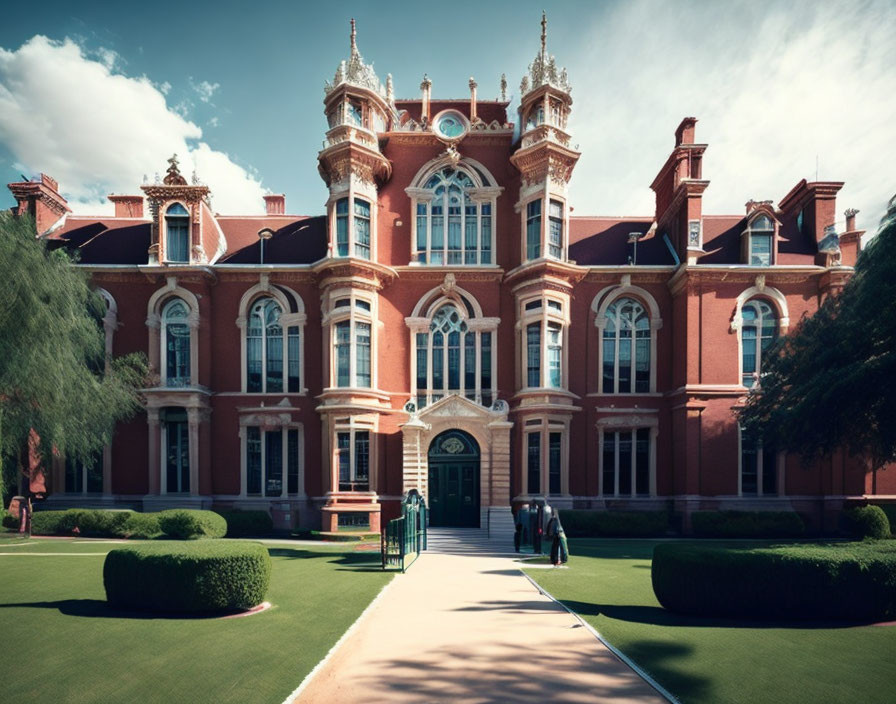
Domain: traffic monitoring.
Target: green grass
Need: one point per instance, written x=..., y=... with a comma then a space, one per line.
x=715, y=660
x=64, y=644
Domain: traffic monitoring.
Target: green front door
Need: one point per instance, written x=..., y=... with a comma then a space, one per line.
x=454, y=480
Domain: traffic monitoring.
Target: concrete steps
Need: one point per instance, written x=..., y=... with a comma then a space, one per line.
x=466, y=541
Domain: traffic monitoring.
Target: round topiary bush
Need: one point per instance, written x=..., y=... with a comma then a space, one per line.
x=855, y=581
x=866, y=522
x=190, y=524
x=191, y=577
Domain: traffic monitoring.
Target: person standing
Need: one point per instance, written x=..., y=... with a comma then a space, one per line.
x=559, y=550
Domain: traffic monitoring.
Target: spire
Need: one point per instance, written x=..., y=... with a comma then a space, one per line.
x=355, y=70
x=544, y=71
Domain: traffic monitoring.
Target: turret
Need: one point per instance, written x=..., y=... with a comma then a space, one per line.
x=544, y=159
x=357, y=107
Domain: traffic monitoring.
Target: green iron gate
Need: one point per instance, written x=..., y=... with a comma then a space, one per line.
x=404, y=538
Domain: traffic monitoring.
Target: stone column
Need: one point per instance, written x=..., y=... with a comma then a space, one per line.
x=414, y=457
x=153, y=457
x=500, y=463
x=194, y=418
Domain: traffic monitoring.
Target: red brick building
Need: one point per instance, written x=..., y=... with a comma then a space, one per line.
x=449, y=325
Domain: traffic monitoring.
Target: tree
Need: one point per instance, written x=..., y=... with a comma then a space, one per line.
x=57, y=394
x=832, y=383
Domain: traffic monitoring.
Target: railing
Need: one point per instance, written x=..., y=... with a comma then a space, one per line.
x=403, y=539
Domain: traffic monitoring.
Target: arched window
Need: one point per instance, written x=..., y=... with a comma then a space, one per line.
x=176, y=343
x=453, y=359
x=626, y=348
x=266, y=340
x=453, y=225
x=760, y=237
x=758, y=332
x=177, y=226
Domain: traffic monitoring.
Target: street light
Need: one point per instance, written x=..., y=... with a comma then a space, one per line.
x=264, y=233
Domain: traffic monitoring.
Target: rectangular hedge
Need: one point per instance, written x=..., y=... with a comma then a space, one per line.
x=241, y=524
x=115, y=523
x=747, y=524
x=620, y=524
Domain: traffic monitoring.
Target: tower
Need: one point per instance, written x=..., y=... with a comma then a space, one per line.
x=358, y=109
x=543, y=283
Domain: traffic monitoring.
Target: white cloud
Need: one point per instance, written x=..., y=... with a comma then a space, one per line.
x=214, y=122
x=204, y=89
x=99, y=132
x=773, y=87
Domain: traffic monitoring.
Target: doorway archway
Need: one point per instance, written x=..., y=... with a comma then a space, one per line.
x=454, y=459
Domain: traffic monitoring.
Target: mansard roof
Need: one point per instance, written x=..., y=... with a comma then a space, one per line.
x=105, y=240
x=603, y=241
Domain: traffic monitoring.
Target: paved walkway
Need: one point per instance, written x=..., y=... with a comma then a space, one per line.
x=471, y=628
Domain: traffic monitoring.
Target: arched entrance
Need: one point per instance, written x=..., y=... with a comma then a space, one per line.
x=454, y=480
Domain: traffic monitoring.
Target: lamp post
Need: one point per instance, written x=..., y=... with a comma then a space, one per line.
x=264, y=234
x=633, y=238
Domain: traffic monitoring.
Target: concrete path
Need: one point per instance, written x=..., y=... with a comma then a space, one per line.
x=471, y=628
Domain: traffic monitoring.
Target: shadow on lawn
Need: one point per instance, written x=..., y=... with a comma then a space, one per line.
x=362, y=561
x=97, y=608
x=658, y=616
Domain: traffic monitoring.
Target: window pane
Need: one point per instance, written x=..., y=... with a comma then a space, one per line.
x=609, y=464
x=453, y=361
x=362, y=228
x=642, y=462
x=344, y=459
x=438, y=360
x=554, y=443
x=470, y=362
x=342, y=227
x=555, y=229
x=253, y=460
x=760, y=250
x=485, y=245
x=295, y=383
x=422, y=230
x=625, y=361
x=533, y=230
x=485, y=367
x=625, y=463
x=642, y=364
x=362, y=337
x=555, y=350
x=362, y=458
x=533, y=355
x=177, y=460
x=292, y=459
x=343, y=352
x=422, y=354
x=748, y=348
x=273, y=460
x=533, y=482
x=609, y=364
x=275, y=359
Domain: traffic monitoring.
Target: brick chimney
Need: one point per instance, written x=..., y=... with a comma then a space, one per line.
x=851, y=219
x=41, y=200
x=686, y=131
x=127, y=206
x=275, y=204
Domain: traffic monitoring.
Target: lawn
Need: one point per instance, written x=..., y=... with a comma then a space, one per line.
x=64, y=644
x=714, y=660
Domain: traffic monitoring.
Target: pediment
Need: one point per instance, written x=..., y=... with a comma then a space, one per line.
x=454, y=407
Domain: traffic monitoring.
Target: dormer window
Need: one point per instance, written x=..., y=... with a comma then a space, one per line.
x=177, y=227
x=760, y=241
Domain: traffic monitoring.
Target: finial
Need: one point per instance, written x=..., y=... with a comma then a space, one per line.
x=544, y=31
x=354, y=45
x=473, y=83
x=390, y=91
x=503, y=86
x=426, y=82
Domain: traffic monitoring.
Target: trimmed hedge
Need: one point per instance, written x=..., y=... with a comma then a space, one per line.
x=247, y=523
x=191, y=524
x=191, y=577
x=747, y=524
x=854, y=581
x=635, y=524
x=143, y=526
x=866, y=522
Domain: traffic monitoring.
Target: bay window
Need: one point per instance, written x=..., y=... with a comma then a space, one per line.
x=353, y=459
x=545, y=461
x=543, y=339
x=351, y=343
x=353, y=234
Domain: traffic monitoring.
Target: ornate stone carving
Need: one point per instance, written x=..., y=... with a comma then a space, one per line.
x=172, y=175
x=543, y=71
x=452, y=446
x=356, y=72
x=449, y=284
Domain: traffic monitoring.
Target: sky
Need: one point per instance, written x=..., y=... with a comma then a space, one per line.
x=99, y=95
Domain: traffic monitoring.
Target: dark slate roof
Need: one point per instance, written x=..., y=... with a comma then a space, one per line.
x=296, y=239
x=105, y=241
x=603, y=241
